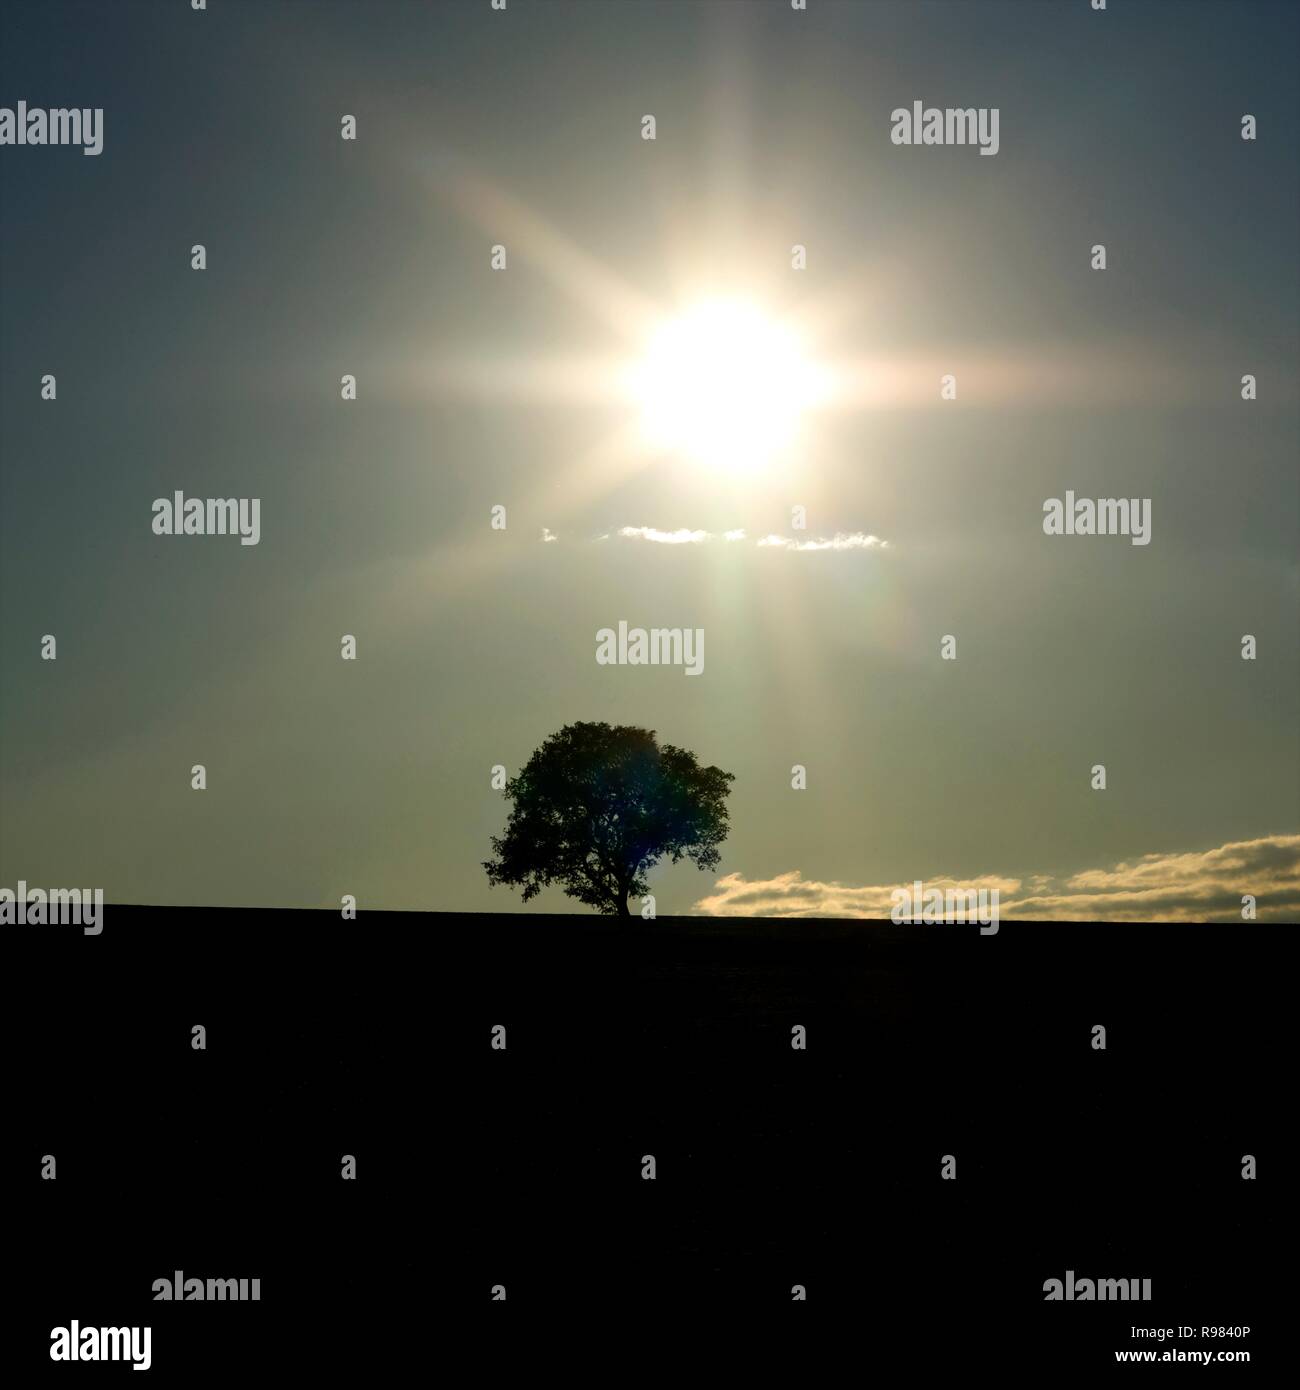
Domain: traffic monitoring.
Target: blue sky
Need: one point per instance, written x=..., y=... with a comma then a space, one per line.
x=479, y=388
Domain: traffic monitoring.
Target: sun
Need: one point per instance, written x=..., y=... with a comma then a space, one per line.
x=724, y=385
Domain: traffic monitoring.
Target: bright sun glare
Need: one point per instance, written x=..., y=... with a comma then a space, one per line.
x=724, y=385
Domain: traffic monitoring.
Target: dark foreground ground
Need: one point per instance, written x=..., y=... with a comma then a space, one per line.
x=522, y=1168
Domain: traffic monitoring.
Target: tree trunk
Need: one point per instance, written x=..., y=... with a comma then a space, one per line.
x=623, y=910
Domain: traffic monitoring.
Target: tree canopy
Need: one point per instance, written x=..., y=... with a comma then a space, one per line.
x=597, y=805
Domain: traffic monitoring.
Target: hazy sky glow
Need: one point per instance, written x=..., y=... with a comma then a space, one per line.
x=649, y=469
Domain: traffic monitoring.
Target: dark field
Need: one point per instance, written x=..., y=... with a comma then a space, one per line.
x=522, y=1167
x=777, y=1167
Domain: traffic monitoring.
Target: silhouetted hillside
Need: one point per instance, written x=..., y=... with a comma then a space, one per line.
x=775, y=1167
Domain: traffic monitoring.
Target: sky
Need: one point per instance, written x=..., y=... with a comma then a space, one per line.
x=479, y=387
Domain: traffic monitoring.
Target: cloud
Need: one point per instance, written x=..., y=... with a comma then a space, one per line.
x=791, y=895
x=1201, y=886
x=855, y=540
x=679, y=537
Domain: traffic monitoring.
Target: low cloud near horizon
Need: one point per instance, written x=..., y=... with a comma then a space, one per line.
x=1200, y=886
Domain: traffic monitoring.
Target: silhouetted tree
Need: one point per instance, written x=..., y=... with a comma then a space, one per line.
x=596, y=806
